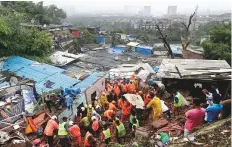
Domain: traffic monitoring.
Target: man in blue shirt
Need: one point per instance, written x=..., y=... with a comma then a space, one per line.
x=213, y=111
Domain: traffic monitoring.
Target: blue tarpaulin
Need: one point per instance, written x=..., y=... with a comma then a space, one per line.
x=156, y=68
x=116, y=50
x=100, y=39
x=40, y=73
x=146, y=50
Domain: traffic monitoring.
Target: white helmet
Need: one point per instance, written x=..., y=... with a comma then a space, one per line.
x=96, y=98
x=70, y=123
x=97, y=106
x=53, y=117
x=94, y=118
x=82, y=108
x=94, y=112
x=90, y=106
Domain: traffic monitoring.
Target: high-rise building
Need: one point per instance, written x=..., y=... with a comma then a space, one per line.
x=147, y=10
x=172, y=10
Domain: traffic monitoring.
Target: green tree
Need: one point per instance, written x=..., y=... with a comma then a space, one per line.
x=37, y=12
x=218, y=46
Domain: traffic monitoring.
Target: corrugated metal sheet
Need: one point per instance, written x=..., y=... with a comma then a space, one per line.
x=40, y=73
x=133, y=44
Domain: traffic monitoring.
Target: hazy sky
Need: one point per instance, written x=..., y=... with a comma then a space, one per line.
x=158, y=7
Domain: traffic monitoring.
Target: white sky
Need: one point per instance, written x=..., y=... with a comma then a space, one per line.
x=158, y=7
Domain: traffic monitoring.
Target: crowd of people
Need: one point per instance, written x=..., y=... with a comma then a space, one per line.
x=112, y=117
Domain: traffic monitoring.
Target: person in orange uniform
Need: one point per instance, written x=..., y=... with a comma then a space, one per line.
x=131, y=87
x=126, y=108
x=123, y=88
x=108, y=86
x=109, y=114
x=95, y=126
x=75, y=133
x=89, y=140
x=116, y=89
x=49, y=129
x=112, y=106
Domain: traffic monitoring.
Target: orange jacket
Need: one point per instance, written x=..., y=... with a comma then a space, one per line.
x=112, y=106
x=124, y=88
x=108, y=113
x=116, y=90
x=75, y=131
x=86, y=141
x=95, y=125
x=50, y=127
x=126, y=107
x=108, y=87
x=131, y=88
x=120, y=103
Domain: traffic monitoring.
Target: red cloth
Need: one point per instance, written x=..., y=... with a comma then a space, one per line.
x=175, y=129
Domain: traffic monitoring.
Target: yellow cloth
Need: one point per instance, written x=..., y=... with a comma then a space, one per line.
x=155, y=104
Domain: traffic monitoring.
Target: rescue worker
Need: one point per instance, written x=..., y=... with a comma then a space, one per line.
x=135, y=125
x=49, y=130
x=123, y=88
x=83, y=111
x=131, y=87
x=112, y=106
x=98, y=109
x=90, y=111
x=177, y=102
x=116, y=89
x=112, y=96
x=155, y=104
x=109, y=114
x=69, y=101
x=104, y=101
x=126, y=108
x=63, y=133
x=85, y=122
x=95, y=114
x=75, y=133
x=120, y=131
x=108, y=86
x=131, y=117
x=95, y=126
x=89, y=140
x=107, y=134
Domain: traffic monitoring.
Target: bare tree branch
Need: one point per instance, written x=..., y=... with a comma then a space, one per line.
x=164, y=39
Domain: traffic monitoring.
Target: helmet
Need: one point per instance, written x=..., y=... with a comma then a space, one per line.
x=94, y=118
x=96, y=98
x=82, y=108
x=113, y=102
x=53, y=117
x=90, y=106
x=85, y=105
x=70, y=123
x=97, y=106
